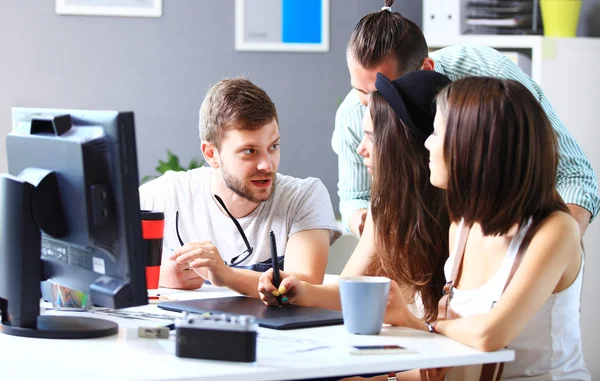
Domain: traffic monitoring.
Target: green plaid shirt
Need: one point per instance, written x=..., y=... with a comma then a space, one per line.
x=575, y=180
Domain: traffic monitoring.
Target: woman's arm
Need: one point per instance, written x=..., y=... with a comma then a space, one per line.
x=550, y=264
x=326, y=295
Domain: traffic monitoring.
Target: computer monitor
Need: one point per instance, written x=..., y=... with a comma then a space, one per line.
x=69, y=213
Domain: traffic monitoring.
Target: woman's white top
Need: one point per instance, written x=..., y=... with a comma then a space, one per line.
x=549, y=348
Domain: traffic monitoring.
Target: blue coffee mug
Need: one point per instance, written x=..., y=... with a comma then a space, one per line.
x=364, y=299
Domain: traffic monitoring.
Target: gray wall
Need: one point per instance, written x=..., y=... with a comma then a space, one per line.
x=589, y=20
x=161, y=69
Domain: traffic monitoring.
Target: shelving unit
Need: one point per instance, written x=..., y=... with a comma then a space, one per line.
x=543, y=51
x=454, y=18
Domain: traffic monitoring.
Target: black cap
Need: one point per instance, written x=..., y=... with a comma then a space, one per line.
x=412, y=96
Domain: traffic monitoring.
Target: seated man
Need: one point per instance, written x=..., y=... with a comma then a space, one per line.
x=218, y=218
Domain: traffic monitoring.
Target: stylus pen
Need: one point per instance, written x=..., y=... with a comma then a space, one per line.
x=276, y=278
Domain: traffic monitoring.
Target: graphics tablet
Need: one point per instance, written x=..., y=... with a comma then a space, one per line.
x=288, y=316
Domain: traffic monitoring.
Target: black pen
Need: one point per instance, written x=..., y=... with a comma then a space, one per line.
x=276, y=277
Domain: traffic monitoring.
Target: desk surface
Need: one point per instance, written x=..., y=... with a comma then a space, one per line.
x=127, y=357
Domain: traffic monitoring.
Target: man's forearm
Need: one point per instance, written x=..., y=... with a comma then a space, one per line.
x=581, y=215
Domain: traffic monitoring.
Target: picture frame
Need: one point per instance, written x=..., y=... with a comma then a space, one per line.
x=122, y=8
x=282, y=25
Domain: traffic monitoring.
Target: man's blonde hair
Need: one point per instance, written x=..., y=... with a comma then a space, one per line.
x=234, y=104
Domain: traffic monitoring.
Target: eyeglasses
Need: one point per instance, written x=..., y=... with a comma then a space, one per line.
x=235, y=261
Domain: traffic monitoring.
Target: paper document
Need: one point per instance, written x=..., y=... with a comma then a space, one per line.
x=275, y=344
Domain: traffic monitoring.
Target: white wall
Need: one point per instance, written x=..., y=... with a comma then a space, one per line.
x=572, y=83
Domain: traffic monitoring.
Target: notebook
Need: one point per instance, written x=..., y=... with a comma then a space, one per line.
x=288, y=316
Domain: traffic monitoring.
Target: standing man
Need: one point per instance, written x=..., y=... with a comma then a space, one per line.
x=218, y=218
x=385, y=42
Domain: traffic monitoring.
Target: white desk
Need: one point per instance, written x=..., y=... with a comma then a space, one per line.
x=127, y=357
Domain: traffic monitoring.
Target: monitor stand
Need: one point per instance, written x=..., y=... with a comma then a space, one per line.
x=29, y=204
x=64, y=327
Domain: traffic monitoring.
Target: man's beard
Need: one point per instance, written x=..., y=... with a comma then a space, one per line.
x=242, y=189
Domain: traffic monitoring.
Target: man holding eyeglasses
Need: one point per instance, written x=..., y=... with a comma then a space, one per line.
x=218, y=218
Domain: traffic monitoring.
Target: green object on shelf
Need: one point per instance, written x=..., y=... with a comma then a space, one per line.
x=172, y=164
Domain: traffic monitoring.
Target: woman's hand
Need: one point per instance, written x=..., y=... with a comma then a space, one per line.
x=396, y=311
x=290, y=288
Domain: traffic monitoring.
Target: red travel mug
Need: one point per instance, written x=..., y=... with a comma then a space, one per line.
x=153, y=228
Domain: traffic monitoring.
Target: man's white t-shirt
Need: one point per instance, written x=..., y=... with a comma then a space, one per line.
x=295, y=205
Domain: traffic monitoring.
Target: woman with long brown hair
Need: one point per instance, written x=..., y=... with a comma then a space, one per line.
x=409, y=214
x=404, y=235
x=516, y=267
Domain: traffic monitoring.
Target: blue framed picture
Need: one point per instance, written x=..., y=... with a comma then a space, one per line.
x=282, y=25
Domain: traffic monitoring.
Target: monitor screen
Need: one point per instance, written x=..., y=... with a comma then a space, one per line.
x=71, y=196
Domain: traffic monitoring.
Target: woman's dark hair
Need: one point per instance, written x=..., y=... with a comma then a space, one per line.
x=385, y=34
x=409, y=214
x=501, y=154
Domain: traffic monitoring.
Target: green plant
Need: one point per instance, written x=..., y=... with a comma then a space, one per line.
x=172, y=164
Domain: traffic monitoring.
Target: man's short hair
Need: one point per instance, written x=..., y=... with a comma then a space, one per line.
x=383, y=35
x=234, y=104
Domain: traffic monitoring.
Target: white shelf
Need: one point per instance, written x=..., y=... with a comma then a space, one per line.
x=512, y=42
x=543, y=49
x=495, y=41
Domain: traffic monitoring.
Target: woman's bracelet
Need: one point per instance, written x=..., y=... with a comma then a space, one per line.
x=431, y=327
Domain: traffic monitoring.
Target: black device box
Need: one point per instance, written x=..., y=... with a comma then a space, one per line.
x=220, y=337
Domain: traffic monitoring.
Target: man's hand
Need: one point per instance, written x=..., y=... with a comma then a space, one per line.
x=180, y=276
x=357, y=222
x=581, y=215
x=290, y=287
x=204, y=259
